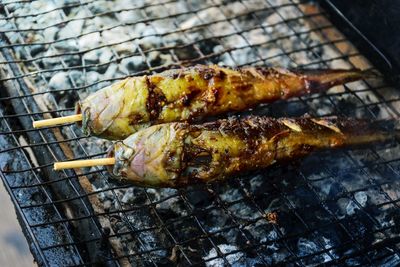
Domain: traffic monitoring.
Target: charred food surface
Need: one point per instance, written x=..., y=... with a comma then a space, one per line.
x=188, y=94
x=180, y=154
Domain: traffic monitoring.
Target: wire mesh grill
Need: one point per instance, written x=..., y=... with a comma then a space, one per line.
x=340, y=207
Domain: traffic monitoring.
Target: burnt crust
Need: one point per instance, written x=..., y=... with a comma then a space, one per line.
x=155, y=100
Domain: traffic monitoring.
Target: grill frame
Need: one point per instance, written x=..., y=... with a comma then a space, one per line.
x=47, y=138
x=381, y=59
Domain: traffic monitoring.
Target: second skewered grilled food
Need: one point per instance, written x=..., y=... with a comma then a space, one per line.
x=187, y=94
x=180, y=154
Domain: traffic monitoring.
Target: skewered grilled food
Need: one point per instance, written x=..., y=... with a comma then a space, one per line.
x=179, y=154
x=121, y=109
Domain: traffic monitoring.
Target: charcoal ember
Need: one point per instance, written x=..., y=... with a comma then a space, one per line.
x=63, y=80
x=275, y=254
x=348, y=106
x=108, y=205
x=65, y=46
x=291, y=108
x=119, y=38
x=49, y=61
x=95, y=8
x=321, y=106
x=69, y=2
x=233, y=258
x=288, y=222
x=105, y=55
x=132, y=64
x=392, y=216
x=244, y=210
x=59, y=81
x=132, y=197
x=185, y=52
x=168, y=203
x=91, y=78
x=157, y=58
x=71, y=29
x=54, y=60
x=215, y=219
x=328, y=189
x=239, y=237
x=391, y=260
x=13, y=7
x=127, y=196
x=258, y=185
x=317, y=219
x=263, y=232
x=130, y=16
x=92, y=57
x=37, y=49
x=306, y=247
x=90, y=40
x=361, y=197
x=361, y=226
x=112, y=72
x=144, y=222
x=229, y=194
x=199, y=198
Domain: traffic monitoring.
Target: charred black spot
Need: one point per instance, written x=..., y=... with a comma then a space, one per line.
x=155, y=101
x=221, y=75
x=175, y=75
x=188, y=98
x=208, y=76
x=203, y=159
x=196, y=156
x=205, y=72
x=276, y=74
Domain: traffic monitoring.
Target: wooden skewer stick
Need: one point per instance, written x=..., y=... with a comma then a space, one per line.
x=55, y=121
x=83, y=163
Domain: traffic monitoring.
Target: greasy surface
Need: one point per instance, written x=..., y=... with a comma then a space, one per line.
x=178, y=154
x=123, y=108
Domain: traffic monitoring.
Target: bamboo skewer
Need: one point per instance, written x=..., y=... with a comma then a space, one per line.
x=56, y=121
x=83, y=163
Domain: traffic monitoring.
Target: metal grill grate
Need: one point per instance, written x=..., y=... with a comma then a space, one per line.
x=340, y=207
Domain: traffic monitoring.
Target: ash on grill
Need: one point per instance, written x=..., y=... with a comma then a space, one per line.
x=339, y=206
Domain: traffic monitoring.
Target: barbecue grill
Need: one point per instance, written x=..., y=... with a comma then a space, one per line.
x=337, y=207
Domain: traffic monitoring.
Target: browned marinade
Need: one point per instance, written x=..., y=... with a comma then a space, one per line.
x=180, y=154
x=188, y=94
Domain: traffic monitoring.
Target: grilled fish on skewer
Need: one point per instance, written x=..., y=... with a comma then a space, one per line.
x=121, y=109
x=179, y=154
